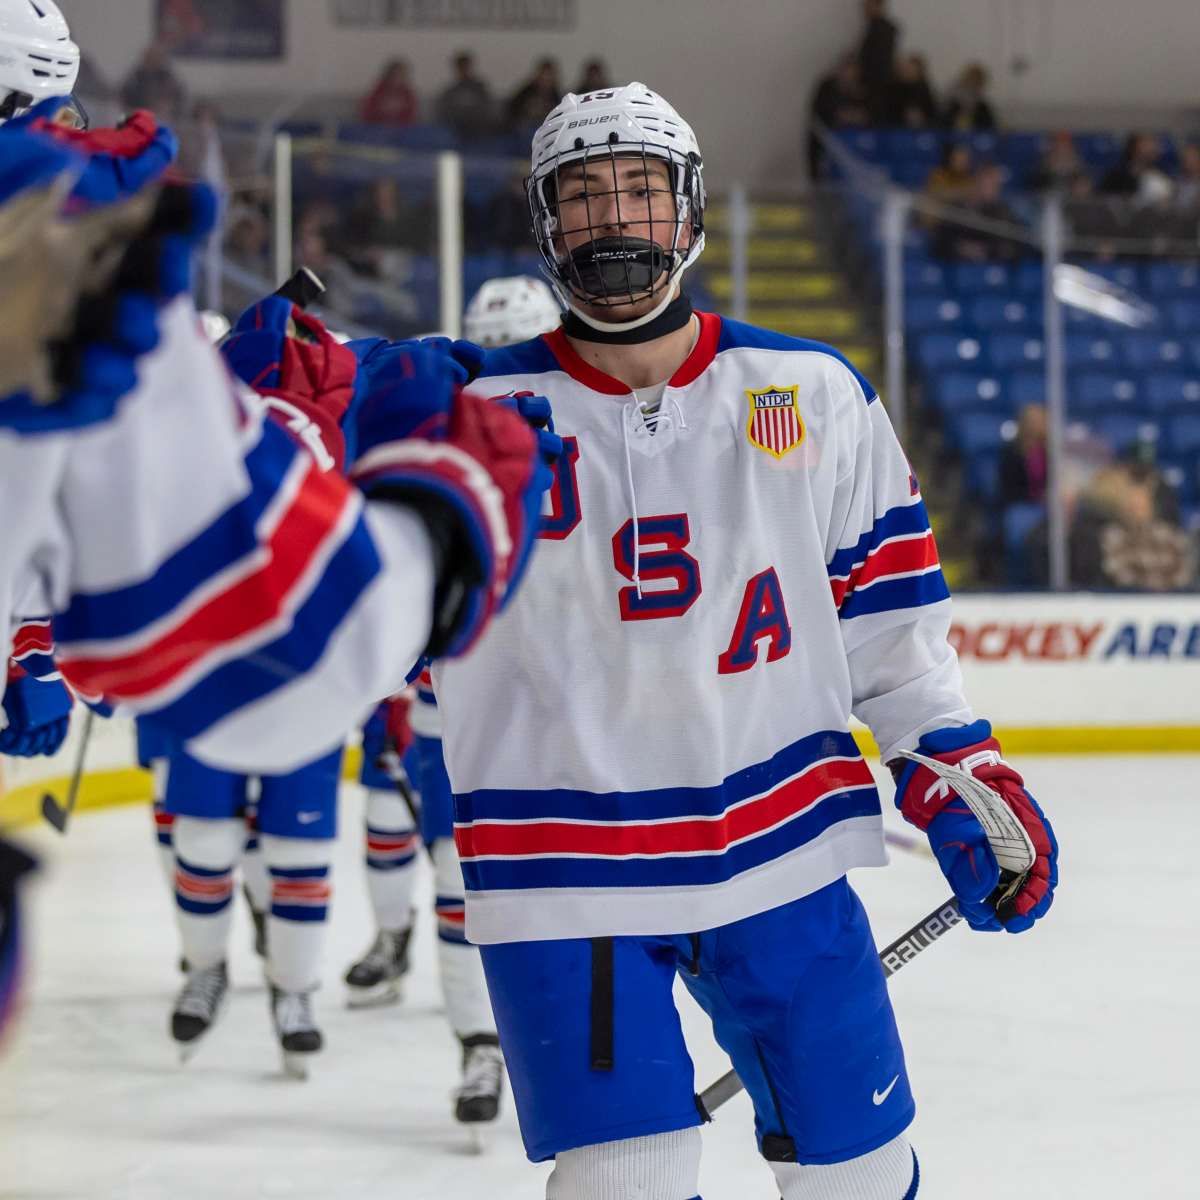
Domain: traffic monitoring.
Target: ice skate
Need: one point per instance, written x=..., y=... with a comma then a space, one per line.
x=477, y=1100
x=377, y=977
x=299, y=1037
x=198, y=1006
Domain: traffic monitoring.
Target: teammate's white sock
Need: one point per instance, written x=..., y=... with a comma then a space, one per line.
x=205, y=852
x=164, y=822
x=254, y=867
x=459, y=964
x=391, y=854
x=663, y=1166
x=884, y=1174
x=300, y=892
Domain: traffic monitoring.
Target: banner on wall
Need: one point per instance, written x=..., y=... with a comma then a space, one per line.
x=554, y=15
x=222, y=28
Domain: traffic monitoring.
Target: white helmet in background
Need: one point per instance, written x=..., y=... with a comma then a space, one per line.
x=510, y=310
x=38, y=60
x=613, y=270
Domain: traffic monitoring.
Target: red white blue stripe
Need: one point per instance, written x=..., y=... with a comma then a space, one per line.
x=665, y=837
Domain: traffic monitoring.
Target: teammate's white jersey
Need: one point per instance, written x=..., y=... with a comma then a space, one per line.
x=677, y=759
x=205, y=571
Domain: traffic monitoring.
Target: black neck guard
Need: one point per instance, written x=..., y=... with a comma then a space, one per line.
x=675, y=316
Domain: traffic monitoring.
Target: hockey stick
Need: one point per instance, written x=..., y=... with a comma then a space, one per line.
x=892, y=957
x=58, y=814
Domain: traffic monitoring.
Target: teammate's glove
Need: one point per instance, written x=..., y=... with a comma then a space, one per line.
x=470, y=467
x=957, y=837
x=38, y=713
x=387, y=731
x=81, y=281
x=300, y=368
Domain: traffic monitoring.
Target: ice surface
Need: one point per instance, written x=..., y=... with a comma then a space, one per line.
x=1063, y=1064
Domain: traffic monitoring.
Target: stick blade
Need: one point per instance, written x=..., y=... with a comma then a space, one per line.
x=54, y=812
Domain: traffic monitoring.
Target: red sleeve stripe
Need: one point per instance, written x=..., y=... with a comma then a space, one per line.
x=33, y=637
x=649, y=839
x=906, y=554
x=250, y=603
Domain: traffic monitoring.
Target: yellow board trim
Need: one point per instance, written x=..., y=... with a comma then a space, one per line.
x=131, y=785
x=104, y=789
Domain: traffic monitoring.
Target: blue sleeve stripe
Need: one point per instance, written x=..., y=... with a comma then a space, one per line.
x=904, y=518
x=129, y=610
x=889, y=595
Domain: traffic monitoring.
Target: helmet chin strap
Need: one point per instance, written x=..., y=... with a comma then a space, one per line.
x=669, y=294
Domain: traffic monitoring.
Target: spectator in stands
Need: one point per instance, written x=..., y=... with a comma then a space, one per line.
x=957, y=241
x=967, y=107
x=951, y=180
x=248, y=239
x=1187, y=185
x=380, y=225
x=466, y=104
x=877, y=56
x=838, y=103
x=1138, y=176
x=153, y=85
x=392, y=101
x=910, y=102
x=529, y=105
x=1060, y=165
x=593, y=77
x=1090, y=217
x=1118, y=540
x=1023, y=460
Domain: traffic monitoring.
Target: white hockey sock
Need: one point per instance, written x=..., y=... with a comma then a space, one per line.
x=459, y=964
x=300, y=892
x=883, y=1174
x=205, y=852
x=662, y=1166
x=164, y=822
x=254, y=867
x=391, y=844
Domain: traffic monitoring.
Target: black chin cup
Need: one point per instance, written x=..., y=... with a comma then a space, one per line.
x=618, y=267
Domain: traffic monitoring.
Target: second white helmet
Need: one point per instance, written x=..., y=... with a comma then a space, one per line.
x=38, y=60
x=510, y=310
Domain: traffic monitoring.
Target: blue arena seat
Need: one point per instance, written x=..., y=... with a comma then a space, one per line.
x=1184, y=315
x=1165, y=392
x=958, y=391
x=1027, y=387
x=912, y=145
x=1009, y=351
x=970, y=279
x=1029, y=278
x=933, y=312
x=1092, y=392
x=974, y=433
x=937, y=351
x=1018, y=523
x=1183, y=435
x=982, y=474
x=924, y=275
x=1004, y=312
x=1124, y=275
x=1124, y=431
x=1084, y=350
x=1145, y=351
x=1171, y=278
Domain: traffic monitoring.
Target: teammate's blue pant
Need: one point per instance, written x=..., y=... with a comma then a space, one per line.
x=797, y=999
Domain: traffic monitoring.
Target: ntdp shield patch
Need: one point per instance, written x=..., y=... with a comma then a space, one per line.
x=775, y=424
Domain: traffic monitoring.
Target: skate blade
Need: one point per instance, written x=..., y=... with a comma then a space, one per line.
x=479, y=1139
x=187, y=1050
x=375, y=997
x=295, y=1066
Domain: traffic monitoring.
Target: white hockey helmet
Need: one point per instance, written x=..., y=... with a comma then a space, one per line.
x=612, y=270
x=510, y=310
x=38, y=60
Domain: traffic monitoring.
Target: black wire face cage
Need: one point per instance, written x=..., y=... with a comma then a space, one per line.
x=614, y=197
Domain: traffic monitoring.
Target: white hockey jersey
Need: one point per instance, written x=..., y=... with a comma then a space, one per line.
x=203, y=570
x=654, y=737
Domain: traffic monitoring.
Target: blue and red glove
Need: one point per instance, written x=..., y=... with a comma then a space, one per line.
x=307, y=377
x=958, y=839
x=38, y=712
x=470, y=467
x=114, y=246
x=387, y=731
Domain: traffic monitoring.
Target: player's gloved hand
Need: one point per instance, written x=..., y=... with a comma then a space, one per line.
x=306, y=376
x=959, y=841
x=387, y=731
x=81, y=282
x=38, y=713
x=470, y=468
